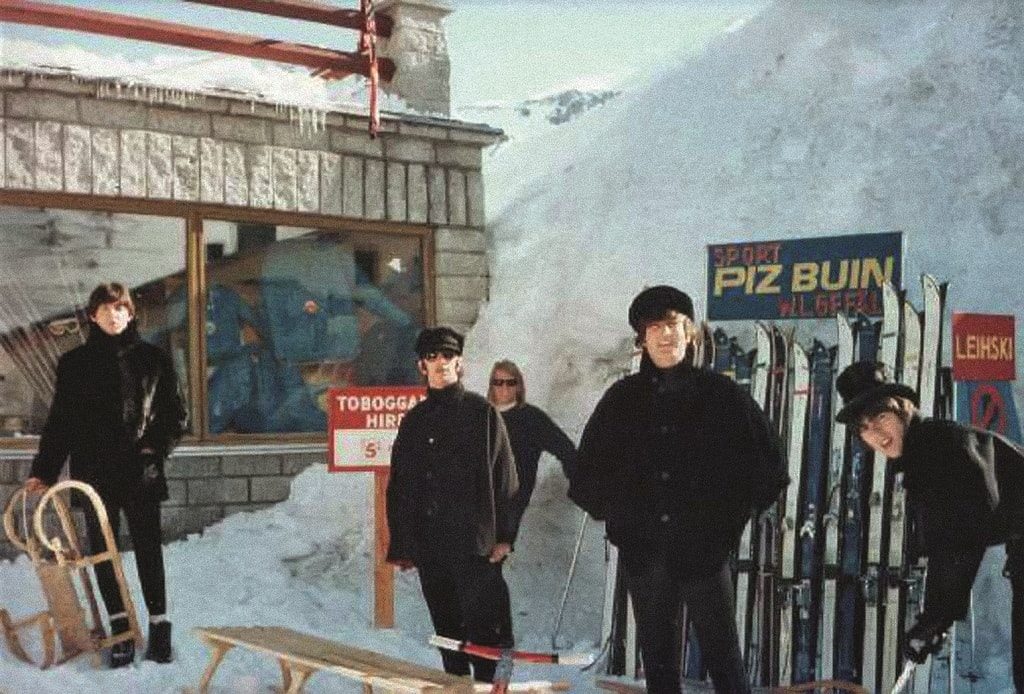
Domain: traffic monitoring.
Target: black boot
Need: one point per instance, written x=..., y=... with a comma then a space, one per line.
x=159, y=648
x=122, y=653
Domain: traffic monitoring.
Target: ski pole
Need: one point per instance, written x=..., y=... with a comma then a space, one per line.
x=568, y=581
x=904, y=678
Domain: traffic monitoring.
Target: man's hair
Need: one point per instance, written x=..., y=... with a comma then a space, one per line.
x=901, y=407
x=508, y=367
x=691, y=331
x=109, y=293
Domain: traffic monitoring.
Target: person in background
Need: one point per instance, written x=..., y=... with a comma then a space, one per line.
x=530, y=431
x=675, y=459
x=964, y=492
x=116, y=415
x=451, y=505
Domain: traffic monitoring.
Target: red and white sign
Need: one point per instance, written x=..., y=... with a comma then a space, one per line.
x=362, y=423
x=984, y=347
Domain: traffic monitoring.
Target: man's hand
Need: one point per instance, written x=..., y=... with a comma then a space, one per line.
x=499, y=552
x=923, y=639
x=402, y=564
x=34, y=485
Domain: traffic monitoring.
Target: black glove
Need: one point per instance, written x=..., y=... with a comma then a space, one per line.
x=923, y=639
x=152, y=484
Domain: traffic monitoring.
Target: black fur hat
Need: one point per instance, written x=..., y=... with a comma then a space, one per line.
x=436, y=339
x=863, y=384
x=652, y=303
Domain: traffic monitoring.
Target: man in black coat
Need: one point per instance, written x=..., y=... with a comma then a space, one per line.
x=450, y=505
x=675, y=460
x=965, y=492
x=530, y=431
x=117, y=414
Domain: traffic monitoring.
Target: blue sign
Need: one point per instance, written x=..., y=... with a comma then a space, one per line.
x=988, y=405
x=802, y=278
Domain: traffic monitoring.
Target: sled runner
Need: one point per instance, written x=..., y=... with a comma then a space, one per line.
x=302, y=655
x=65, y=578
x=824, y=686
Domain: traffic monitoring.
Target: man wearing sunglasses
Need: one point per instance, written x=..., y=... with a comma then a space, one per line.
x=675, y=459
x=530, y=431
x=450, y=505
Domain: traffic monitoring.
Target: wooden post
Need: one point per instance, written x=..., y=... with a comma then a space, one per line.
x=383, y=573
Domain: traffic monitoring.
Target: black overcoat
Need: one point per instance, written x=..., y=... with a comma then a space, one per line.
x=114, y=397
x=452, y=472
x=676, y=462
x=532, y=432
x=965, y=492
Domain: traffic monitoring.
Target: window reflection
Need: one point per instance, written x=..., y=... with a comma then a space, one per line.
x=49, y=261
x=292, y=311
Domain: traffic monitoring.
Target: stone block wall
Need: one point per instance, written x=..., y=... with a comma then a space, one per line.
x=203, y=488
x=59, y=135
x=70, y=136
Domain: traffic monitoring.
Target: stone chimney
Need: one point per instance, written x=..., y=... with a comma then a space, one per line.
x=420, y=50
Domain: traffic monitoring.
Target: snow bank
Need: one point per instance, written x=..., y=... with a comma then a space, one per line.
x=809, y=119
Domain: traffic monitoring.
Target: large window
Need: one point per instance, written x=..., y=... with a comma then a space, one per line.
x=284, y=312
x=49, y=262
x=292, y=311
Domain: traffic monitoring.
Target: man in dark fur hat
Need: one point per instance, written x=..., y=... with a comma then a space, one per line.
x=675, y=459
x=965, y=492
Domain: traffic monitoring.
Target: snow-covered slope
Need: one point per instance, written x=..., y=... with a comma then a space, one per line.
x=811, y=119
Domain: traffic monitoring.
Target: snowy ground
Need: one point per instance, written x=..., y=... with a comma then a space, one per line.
x=810, y=118
x=303, y=564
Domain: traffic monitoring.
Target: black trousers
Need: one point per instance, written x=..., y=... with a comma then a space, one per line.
x=468, y=600
x=658, y=598
x=143, y=516
x=1015, y=572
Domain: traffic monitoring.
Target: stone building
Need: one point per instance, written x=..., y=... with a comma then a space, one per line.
x=273, y=253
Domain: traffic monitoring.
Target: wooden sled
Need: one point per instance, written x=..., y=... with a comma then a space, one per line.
x=822, y=687
x=301, y=656
x=64, y=578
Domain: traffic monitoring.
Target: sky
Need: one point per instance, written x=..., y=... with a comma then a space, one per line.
x=809, y=119
x=554, y=45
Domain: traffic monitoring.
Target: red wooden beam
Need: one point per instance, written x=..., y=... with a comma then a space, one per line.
x=324, y=62
x=306, y=10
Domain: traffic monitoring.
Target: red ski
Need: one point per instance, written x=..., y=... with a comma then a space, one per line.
x=497, y=653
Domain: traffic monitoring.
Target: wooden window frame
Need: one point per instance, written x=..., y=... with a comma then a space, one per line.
x=193, y=214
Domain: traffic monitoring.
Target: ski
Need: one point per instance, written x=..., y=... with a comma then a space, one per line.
x=907, y=374
x=876, y=518
x=766, y=667
x=497, y=653
x=831, y=521
x=749, y=585
x=851, y=597
x=799, y=377
x=807, y=593
x=935, y=674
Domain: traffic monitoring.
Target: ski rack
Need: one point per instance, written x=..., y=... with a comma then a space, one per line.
x=325, y=63
x=65, y=618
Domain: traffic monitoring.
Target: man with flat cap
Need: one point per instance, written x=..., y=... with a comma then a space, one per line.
x=965, y=492
x=675, y=459
x=451, y=505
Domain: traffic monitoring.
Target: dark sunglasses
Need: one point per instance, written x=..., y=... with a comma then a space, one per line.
x=447, y=354
x=504, y=382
